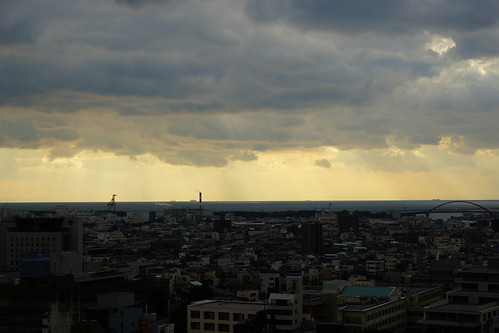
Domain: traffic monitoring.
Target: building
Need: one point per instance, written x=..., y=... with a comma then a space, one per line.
x=285, y=311
x=214, y=316
x=375, y=266
x=250, y=295
x=222, y=226
x=312, y=238
x=49, y=304
x=470, y=307
x=269, y=282
x=376, y=313
x=117, y=312
x=286, y=308
x=348, y=223
x=417, y=298
x=54, y=235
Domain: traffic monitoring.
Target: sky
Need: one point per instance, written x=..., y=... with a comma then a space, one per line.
x=157, y=100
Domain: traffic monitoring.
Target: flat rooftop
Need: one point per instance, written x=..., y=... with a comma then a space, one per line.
x=233, y=305
x=462, y=307
x=367, y=291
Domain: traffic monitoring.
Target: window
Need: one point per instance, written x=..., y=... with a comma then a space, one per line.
x=353, y=319
x=223, y=316
x=223, y=328
x=279, y=312
x=209, y=315
x=238, y=316
x=209, y=326
x=195, y=314
x=195, y=325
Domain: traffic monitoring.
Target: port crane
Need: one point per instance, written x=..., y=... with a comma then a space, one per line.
x=111, y=205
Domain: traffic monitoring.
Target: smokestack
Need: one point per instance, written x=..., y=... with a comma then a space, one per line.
x=200, y=198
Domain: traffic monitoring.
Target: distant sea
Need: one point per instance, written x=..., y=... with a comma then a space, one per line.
x=261, y=206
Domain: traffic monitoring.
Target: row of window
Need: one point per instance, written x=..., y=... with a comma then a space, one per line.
x=15, y=245
x=429, y=296
x=33, y=239
x=27, y=251
x=383, y=312
x=24, y=246
x=195, y=325
x=396, y=328
x=221, y=315
x=387, y=321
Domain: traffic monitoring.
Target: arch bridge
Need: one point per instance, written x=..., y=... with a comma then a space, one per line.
x=459, y=201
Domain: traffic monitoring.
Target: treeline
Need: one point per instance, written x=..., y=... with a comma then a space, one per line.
x=300, y=213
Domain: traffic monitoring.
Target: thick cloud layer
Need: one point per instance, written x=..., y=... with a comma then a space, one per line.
x=208, y=83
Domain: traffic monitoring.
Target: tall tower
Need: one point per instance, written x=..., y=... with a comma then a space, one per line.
x=312, y=237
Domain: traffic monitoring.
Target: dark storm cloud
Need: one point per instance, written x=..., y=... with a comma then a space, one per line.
x=388, y=16
x=209, y=82
x=473, y=23
x=17, y=31
x=477, y=44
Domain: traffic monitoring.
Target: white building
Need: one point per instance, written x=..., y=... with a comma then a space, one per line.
x=285, y=311
x=375, y=266
x=269, y=282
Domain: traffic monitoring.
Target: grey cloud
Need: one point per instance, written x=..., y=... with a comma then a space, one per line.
x=61, y=152
x=471, y=23
x=27, y=132
x=64, y=134
x=391, y=16
x=244, y=155
x=19, y=130
x=139, y=3
x=247, y=127
x=199, y=158
x=476, y=44
x=20, y=31
x=323, y=163
x=166, y=80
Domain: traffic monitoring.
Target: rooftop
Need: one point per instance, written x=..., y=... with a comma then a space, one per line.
x=216, y=304
x=369, y=291
x=461, y=307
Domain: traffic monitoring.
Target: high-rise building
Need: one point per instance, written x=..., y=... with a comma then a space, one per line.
x=47, y=236
x=312, y=237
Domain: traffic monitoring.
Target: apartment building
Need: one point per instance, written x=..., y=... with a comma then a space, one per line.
x=285, y=311
x=381, y=314
x=375, y=266
x=472, y=306
x=214, y=316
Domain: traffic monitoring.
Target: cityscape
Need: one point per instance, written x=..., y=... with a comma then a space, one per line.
x=193, y=270
x=249, y=166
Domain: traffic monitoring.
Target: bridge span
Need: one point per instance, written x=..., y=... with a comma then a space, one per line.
x=436, y=209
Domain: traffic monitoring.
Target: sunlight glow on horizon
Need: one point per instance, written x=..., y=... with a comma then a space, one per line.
x=275, y=176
